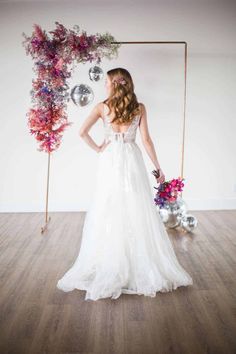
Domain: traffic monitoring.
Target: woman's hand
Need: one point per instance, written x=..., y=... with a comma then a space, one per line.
x=159, y=175
x=103, y=145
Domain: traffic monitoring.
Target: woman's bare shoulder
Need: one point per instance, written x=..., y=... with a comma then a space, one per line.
x=142, y=108
x=101, y=107
x=141, y=104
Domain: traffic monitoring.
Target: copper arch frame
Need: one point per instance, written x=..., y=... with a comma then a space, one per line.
x=185, y=81
x=183, y=133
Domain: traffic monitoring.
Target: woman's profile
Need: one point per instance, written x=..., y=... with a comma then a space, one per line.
x=125, y=247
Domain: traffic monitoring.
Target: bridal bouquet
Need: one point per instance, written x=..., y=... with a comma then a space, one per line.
x=168, y=191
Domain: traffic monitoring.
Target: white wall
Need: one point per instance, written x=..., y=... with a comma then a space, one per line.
x=209, y=27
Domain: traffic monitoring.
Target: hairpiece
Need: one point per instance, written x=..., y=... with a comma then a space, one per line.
x=120, y=80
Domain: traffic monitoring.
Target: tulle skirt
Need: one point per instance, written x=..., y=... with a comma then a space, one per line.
x=125, y=247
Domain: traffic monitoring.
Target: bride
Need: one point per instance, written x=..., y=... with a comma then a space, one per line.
x=125, y=247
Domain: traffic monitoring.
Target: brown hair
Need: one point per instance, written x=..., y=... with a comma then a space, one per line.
x=122, y=99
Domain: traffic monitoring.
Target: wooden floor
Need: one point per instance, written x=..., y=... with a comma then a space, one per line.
x=36, y=317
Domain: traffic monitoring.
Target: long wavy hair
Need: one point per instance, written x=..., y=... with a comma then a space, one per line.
x=122, y=100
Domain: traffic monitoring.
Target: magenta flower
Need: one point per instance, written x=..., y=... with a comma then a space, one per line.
x=47, y=120
x=168, y=191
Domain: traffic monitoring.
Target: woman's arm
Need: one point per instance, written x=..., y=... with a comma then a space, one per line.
x=86, y=126
x=147, y=141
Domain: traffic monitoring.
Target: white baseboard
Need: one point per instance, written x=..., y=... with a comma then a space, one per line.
x=211, y=204
x=192, y=204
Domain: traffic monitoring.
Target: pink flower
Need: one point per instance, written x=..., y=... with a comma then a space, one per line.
x=59, y=64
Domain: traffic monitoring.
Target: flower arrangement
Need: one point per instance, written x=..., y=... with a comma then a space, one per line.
x=168, y=191
x=53, y=57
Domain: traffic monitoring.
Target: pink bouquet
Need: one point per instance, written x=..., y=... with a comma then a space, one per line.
x=168, y=191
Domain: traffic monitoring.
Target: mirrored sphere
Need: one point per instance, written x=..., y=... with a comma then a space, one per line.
x=188, y=222
x=82, y=95
x=95, y=73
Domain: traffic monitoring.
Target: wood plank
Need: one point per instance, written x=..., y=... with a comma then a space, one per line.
x=36, y=317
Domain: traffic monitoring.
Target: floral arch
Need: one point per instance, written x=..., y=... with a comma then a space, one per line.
x=54, y=59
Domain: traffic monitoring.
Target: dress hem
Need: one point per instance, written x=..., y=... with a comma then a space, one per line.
x=114, y=296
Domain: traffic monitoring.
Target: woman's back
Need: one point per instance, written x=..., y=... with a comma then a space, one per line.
x=112, y=130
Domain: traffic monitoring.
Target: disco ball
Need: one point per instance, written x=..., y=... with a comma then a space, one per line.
x=95, y=73
x=172, y=212
x=82, y=95
x=188, y=222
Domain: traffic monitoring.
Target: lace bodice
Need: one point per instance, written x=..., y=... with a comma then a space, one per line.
x=128, y=136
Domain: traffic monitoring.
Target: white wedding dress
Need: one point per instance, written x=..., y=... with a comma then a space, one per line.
x=125, y=247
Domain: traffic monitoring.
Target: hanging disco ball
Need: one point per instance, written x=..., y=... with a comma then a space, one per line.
x=95, y=73
x=82, y=95
x=188, y=222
